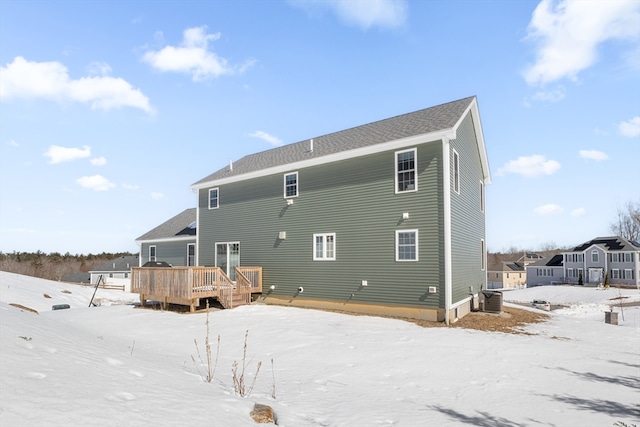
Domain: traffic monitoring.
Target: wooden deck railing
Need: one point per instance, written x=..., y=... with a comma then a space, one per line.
x=186, y=285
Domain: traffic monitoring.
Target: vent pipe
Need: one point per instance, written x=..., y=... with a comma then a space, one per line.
x=311, y=146
x=230, y=165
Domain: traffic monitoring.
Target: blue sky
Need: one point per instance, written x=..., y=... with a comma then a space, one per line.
x=109, y=111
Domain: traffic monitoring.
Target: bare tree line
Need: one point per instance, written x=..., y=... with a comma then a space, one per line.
x=53, y=266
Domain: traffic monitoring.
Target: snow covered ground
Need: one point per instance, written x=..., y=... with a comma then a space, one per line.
x=116, y=365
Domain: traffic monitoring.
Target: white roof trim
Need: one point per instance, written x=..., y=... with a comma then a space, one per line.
x=344, y=155
x=167, y=239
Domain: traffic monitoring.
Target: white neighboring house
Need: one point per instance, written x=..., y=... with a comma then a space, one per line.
x=615, y=257
x=115, y=272
x=548, y=271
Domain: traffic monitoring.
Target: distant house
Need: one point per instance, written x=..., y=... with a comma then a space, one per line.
x=116, y=272
x=510, y=274
x=548, y=271
x=387, y=217
x=506, y=275
x=173, y=241
x=615, y=257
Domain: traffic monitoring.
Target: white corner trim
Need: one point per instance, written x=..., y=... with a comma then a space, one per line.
x=446, y=185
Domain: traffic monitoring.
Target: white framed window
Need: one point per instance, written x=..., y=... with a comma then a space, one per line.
x=290, y=185
x=615, y=273
x=214, y=198
x=456, y=172
x=628, y=273
x=406, y=171
x=481, y=196
x=483, y=255
x=406, y=245
x=191, y=254
x=545, y=272
x=616, y=257
x=324, y=247
x=628, y=257
x=594, y=256
x=570, y=272
x=152, y=253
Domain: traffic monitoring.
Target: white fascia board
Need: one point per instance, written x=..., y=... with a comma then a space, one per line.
x=344, y=155
x=167, y=239
x=477, y=125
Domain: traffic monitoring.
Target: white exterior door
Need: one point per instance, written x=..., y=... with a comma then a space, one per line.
x=595, y=275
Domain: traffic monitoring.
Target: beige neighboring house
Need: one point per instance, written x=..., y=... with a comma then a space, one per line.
x=510, y=274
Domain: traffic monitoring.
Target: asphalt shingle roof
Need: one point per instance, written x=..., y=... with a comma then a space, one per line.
x=614, y=243
x=175, y=227
x=119, y=264
x=438, y=118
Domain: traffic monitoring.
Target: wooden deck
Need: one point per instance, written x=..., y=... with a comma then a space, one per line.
x=186, y=285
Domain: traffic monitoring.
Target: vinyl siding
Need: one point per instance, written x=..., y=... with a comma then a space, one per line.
x=467, y=219
x=172, y=252
x=356, y=200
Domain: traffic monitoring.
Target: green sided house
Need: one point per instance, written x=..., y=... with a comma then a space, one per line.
x=384, y=218
x=172, y=242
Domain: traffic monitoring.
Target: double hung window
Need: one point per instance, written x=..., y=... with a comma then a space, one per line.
x=406, y=171
x=191, y=254
x=291, y=185
x=456, y=171
x=406, y=245
x=214, y=196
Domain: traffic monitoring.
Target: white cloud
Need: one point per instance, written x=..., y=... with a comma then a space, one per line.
x=549, y=209
x=98, y=161
x=276, y=142
x=630, y=128
x=550, y=95
x=568, y=34
x=579, y=212
x=59, y=154
x=530, y=166
x=194, y=57
x=50, y=80
x=130, y=186
x=593, y=155
x=12, y=143
x=99, y=68
x=157, y=196
x=95, y=182
x=362, y=13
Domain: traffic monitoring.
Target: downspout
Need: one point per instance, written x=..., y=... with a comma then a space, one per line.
x=446, y=193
